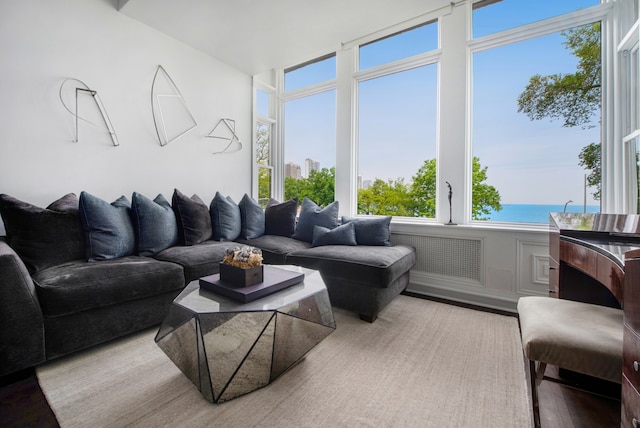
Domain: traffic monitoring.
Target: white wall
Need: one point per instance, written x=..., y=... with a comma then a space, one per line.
x=43, y=42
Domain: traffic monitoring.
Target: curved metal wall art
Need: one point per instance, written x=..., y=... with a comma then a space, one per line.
x=232, y=138
x=157, y=98
x=79, y=88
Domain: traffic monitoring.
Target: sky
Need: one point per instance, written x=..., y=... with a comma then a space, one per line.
x=397, y=113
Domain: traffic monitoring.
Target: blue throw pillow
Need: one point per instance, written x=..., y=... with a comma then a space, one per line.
x=193, y=218
x=108, y=229
x=225, y=218
x=280, y=218
x=341, y=235
x=252, y=218
x=154, y=223
x=312, y=215
x=371, y=231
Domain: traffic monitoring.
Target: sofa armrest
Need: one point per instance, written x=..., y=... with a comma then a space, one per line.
x=21, y=320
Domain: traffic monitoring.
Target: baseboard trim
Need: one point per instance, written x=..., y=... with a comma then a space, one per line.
x=468, y=297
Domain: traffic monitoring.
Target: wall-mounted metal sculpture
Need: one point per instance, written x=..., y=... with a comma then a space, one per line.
x=79, y=87
x=228, y=128
x=159, y=96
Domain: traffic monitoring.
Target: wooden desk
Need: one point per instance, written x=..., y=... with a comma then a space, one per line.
x=595, y=258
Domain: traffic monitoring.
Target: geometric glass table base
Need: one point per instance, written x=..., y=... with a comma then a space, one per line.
x=227, y=348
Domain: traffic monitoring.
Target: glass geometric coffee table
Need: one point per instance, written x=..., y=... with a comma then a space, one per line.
x=228, y=348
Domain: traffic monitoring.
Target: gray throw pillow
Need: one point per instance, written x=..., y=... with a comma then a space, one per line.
x=43, y=237
x=154, y=223
x=341, y=235
x=371, y=231
x=280, y=218
x=312, y=215
x=193, y=218
x=108, y=229
x=252, y=218
x=225, y=218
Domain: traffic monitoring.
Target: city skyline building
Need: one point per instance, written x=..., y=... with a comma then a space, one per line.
x=292, y=170
x=310, y=165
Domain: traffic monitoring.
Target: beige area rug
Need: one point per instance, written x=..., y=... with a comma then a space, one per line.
x=420, y=364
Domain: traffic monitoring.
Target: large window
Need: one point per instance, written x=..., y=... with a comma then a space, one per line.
x=536, y=120
x=264, y=144
x=309, y=132
x=397, y=118
x=397, y=143
x=502, y=99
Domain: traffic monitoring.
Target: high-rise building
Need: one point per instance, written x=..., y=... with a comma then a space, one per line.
x=292, y=170
x=311, y=165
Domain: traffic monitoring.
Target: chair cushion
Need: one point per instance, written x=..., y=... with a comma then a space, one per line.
x=79, y=286
x=375, y=266
x=573, y=335
x=43, y=237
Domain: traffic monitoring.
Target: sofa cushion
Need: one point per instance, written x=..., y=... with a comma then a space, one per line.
x=275, y=248
x=371, y=231
x=280, y=218
x=197, y=260
x=312, y=215
x=154, y=223
x=375, y=266
x=251, y=218
x=108, y=229
x=79, y=285
x=225, y=218
x=342, y=235
x=193, y=217
x=43, y=237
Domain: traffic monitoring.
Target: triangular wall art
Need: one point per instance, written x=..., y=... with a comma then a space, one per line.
x=172, y=117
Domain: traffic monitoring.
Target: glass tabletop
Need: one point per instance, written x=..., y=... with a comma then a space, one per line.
x=200, y=300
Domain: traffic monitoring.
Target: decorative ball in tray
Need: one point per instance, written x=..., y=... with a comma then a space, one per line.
x=242, y=267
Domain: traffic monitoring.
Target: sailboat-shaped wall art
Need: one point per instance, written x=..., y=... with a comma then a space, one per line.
x=172, y=117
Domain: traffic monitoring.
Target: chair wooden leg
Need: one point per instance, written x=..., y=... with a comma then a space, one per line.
x=536, y=377
x=540, y=372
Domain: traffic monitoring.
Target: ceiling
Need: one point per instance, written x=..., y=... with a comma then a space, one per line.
x=257, y=35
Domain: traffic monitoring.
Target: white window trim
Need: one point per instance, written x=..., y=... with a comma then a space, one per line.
x=269, y=121
x=522, y=33
x=348, y=75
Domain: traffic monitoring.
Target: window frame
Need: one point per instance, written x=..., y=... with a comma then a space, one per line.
x=428, y=58
x=454, y=143
x=271, y=122
x=599, y=13
x=628, y=52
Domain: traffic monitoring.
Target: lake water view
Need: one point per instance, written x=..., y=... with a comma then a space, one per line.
x=530, y=213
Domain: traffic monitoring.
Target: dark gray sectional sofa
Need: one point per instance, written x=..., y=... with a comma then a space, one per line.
x=63, y=288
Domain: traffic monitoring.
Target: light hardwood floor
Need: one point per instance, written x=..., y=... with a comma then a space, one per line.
x=564, y=406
